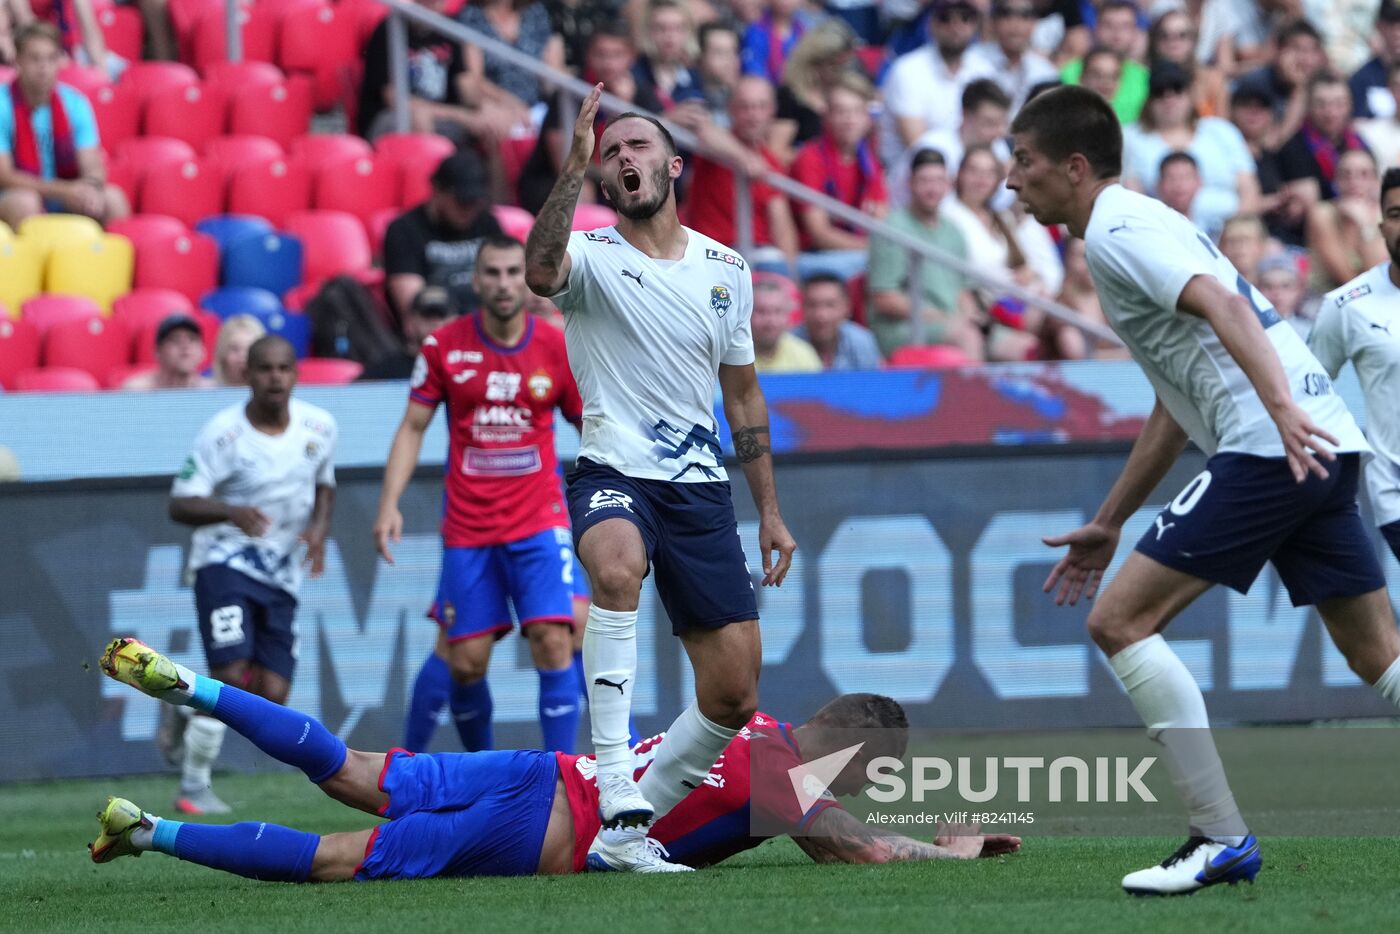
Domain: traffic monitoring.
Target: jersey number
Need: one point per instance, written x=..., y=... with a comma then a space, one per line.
x=566, y=558
x=1187, y=499
x=1265, y=312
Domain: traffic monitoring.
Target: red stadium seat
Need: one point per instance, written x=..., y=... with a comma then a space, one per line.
x=85, y=78
x=140, y=308
x=298, y=295
x=319, y=150
x=515, y=153
x=593, y=216
x=19, y=349
x=227, y=154
x=141, y=156
x=126, y=178
x=187, y=192
x=143, y=348
x=327, y=371
x=231, y=77
x=185, y=16
x=95, y=345
x=359, y=186
x=272, y=190
x=188, y=264
x=415, y=177
x=282, y=112
x=122, y=30
x=146, y=78
x=514, y=221
x=334, y=242
x=319, y=41
x=398, y=146
x=44, y=311
x=141, y=229
x=55, y=379
x=118, y=112
x=193, y=114
x=209, y=41
x=935, y=357
x=367, y=15
x=378, y=225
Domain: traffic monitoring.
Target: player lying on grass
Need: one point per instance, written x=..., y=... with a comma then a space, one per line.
x=507, y=813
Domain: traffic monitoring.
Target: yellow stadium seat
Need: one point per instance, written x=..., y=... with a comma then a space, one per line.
x=47, y=231
x=21, y=274
x=99, y=269
x=6, y=234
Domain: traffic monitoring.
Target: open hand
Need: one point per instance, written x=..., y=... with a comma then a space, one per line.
x=1302, y=442
x=1080, y=571
x=581, y=149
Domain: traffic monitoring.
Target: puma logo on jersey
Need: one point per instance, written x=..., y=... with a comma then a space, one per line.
x=1162, y=527
x=1381, y=327
x=633, y=275
x=690, y=785
x=1118, y=228
x=606, y=683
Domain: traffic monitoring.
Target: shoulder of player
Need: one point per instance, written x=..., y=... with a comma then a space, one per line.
x=715, y=252
x=1344, y=298
x=223, y=428
x=600, y=238
x=313, y=418
x=1122, y=224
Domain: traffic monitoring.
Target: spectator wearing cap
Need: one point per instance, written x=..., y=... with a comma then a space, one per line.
x=826, y=54
x=1297, y=57
x=1308, y=160
x=236, y=335
x=50, y=153
x=770, y=42
x=986, y=111
x=1382, y=134
x=775, y=348
x=1169, y=124
x=945, y=312
x=179, y=353
x=923, y=87
x=431, y=308
x=436, y=242
x=1371, y=84
x=840, y=343
x=1172, y=38
x=1009, y=57
x=1117, y=28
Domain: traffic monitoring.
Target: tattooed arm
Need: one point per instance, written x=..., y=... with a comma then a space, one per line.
x=547, y=261
x=836, y=836
x=747, y=415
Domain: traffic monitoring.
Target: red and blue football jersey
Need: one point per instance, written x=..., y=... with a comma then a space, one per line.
x=719, y=818
x=501, y=481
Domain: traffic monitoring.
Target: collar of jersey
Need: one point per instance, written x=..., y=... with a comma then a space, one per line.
x=501, y=348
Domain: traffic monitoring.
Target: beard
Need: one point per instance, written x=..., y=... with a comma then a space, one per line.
x=642, y=210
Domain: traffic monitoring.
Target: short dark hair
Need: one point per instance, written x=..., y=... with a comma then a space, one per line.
x=866, y=712
x=1110, y=5
x=1099, y=51
x=1173, y=158
x=706, y=30
x=37, y=29
x=498, y=241
x=927, y=157
x=608, y=29
x=1390, y=180
x=823, y=278
x=981, y=92
x=1326, y=78
x=1073, y=119
x=1292, y=29
x=269, y=342
x=661, y=128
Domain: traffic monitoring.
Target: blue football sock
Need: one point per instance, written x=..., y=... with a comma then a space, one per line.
x=430, y=692
x=633, y=737
x=471, y=711
x=287, y=735
x=559, y=709
x=251, y=849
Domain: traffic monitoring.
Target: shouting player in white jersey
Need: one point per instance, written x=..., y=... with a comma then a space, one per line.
x=653, y=311
x=1360, y=322
x=1280, y=484
x=259, y=488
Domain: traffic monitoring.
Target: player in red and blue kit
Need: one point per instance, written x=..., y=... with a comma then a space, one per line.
x=507, y=549
x=516, y=813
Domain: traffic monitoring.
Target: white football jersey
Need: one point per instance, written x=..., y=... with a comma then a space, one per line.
x=1142, y=254
x=1360, y=322
x=278, y=474
x=645, y=339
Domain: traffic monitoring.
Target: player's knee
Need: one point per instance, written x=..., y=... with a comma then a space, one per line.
x=467, y=670
x=1113, y=633
x=617, y=586
x=730, y=705
x=551, y=645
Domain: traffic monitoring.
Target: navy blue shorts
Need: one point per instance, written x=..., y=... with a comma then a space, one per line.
x=1243, y=511
x=243, y=619
x=691, y=538
x=480, y=587
x=462, y=814
x=1391, y=534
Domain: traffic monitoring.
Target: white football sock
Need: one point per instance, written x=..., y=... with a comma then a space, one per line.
x=1170, y=704
x=204, y=737
x=1388, y=684
x=684, y=759
x=610, y=657
x=143, y=838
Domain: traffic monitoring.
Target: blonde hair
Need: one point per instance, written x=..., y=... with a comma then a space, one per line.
x=1242, y=223
x=238, y=324
x=827, y=40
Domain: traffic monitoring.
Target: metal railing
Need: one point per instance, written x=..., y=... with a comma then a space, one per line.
x=403, y=11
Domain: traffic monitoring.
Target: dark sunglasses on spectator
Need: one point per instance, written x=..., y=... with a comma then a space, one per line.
x=1020, y=12
x=958, y=13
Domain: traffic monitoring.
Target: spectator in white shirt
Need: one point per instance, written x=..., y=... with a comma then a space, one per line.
x=1015, y=68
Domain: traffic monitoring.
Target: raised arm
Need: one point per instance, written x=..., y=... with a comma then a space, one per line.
x=547, y=261
x=747, y=414
x=837, y=836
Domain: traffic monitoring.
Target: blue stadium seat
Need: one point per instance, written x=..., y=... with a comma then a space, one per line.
x=229, y=228
x=296, y=328
x=272, y=261
x=241, y=300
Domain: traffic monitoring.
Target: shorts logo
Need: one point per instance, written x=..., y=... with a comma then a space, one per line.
x=602, y=499
x=540, y=384
x=719, y=299
x=722, y=257
x=1162, y=527
x=226, y=625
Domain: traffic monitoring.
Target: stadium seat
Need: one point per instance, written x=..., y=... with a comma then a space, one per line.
x=147, y=78
x=46, y=231
x=95, y=345
x=44, y=311
x=398, y=146
x=99, y=269
x=122, y=30
x=143, y=228
x=296, y=299
x=378, y=226
x=126, y=178
x=139, y=308
x=240, y=300
x=21, y=274
x=226, y=154
x=144, y=155
x=294, y=327
x=85, y=78
x=19, y=349
x=209, y=40
x=143, y=347
x=515, y=153
x=318, y=150
x=118, y=112
x=272, y=261
x=184, y=16
x=358, y=186
x=282, y=111
x=188, y=264
x=935, y=357
x=334, y=242
x=515, y=222
x=226, y=229
x=55, y=379
x=117, y=376
x=415, y=177
x=231, y=77
x=327, y=371
x=593, y=216
x=367, y=15
x=271, y=190
x=187, y=191
x=6, y=234
x=194, y=114
x=319, y=41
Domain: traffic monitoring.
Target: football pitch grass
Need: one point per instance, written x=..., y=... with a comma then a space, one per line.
x=47, y=883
